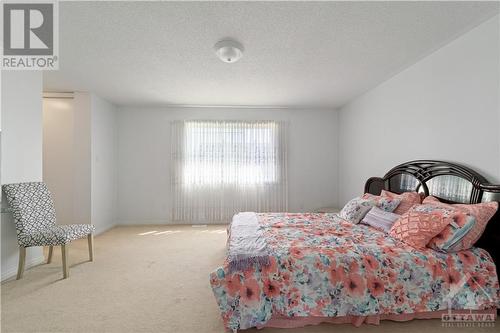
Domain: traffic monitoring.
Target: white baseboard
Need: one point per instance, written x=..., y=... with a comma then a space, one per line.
x=163, y=222
x=12, y=271
x=142, y=222
x=100, y=230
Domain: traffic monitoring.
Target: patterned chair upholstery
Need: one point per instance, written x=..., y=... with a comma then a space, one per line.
x=35, y=217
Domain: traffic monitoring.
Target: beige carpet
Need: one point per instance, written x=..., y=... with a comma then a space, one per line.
x=144, y=279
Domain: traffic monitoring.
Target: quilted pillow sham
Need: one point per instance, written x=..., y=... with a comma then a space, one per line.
x=408, y=199
x=468, y=232
x=380, y=219
x=420, y=224
x=357, y=208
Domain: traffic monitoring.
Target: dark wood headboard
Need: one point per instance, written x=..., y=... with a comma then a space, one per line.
x=451, y=183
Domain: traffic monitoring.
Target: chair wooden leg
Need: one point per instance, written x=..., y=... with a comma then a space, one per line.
x=49, y=259
x=90, y=238
x=64, y=261
x=22, y=260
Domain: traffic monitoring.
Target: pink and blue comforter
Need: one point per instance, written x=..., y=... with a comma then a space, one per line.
x=320, y=265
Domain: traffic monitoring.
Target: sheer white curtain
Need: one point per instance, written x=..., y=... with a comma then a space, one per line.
x=224, y=167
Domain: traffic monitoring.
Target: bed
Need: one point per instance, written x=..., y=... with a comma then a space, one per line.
x=321, y=268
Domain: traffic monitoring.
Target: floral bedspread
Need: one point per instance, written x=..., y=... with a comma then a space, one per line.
x=321, y=265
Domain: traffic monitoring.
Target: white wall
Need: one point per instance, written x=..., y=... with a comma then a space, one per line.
x=144, y=157
x=82, y=157
x=79, y=158
x=103, y=173
x=21, y=146
x=66, y=156
x=58, y=155
x=444, y=107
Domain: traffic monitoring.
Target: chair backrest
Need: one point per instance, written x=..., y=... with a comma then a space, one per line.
x=32, y=206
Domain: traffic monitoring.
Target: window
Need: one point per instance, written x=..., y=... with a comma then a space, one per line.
x=223, y=167
x=230, y=153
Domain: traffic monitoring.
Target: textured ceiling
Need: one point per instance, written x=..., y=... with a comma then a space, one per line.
x=296, y=53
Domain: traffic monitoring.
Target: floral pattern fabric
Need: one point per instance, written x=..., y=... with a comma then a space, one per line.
x=356, y=209
x=449, y=239
x=408, y=199
x=323, y=266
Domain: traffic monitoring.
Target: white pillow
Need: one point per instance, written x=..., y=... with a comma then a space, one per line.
x=380, y=219
x=356, y=209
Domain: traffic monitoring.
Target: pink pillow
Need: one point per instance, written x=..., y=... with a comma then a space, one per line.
x=450, y=239
x=408, y=199
x=419, y=225
x=482, y=212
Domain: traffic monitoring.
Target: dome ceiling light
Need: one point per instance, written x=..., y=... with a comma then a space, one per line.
x=229, y=50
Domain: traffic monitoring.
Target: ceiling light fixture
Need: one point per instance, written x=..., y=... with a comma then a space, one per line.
x=229, y=50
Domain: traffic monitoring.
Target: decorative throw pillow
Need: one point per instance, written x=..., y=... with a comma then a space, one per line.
x=449, y=240
x=470, y=231
x=420, y=224
x=408, y=199
x=386, y=204
x=380, y=219
x=356, y=209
